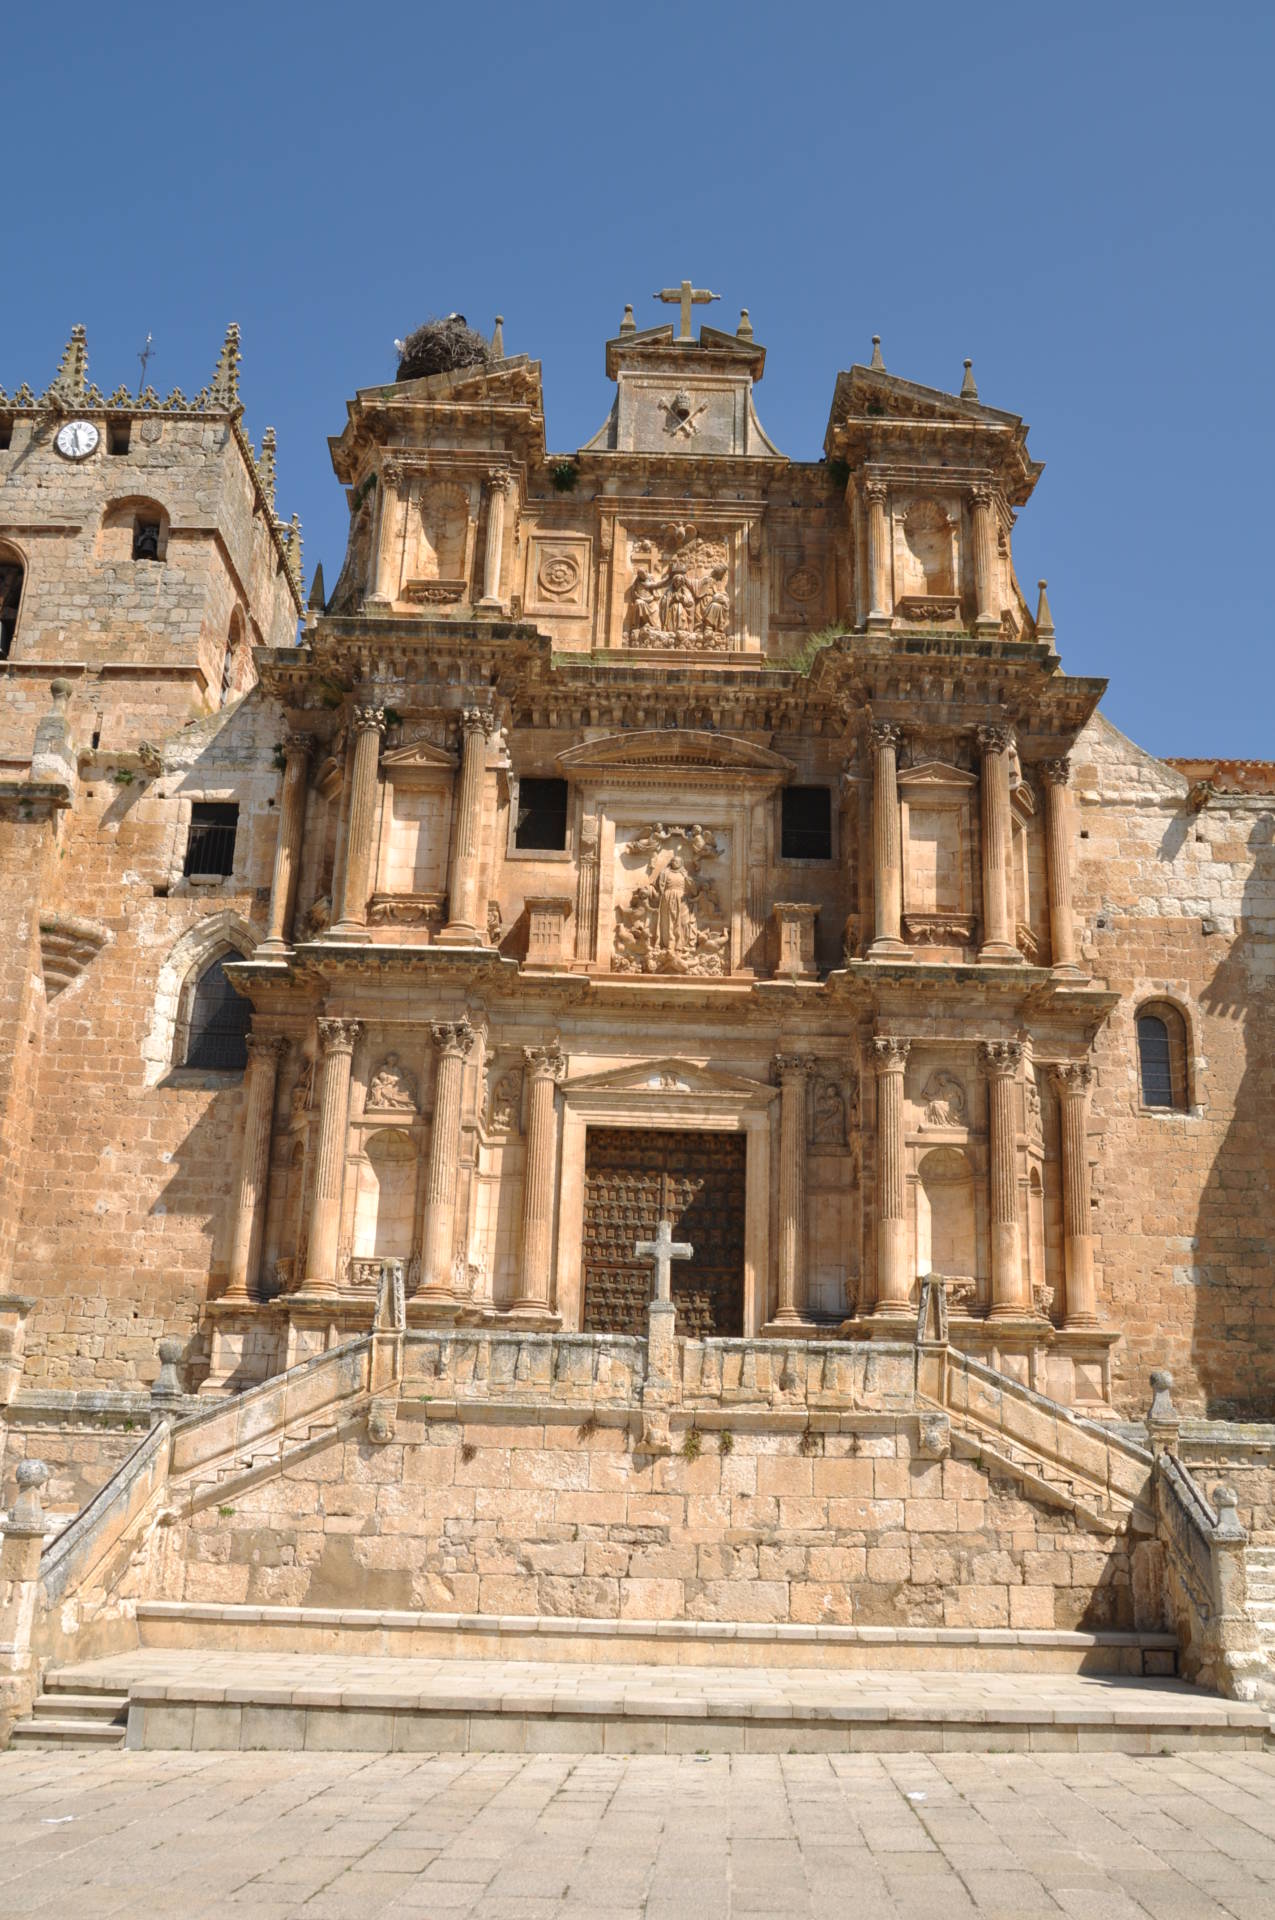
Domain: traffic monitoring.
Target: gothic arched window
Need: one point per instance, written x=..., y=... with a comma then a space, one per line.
x=1162, y=1056
x=219, y=1019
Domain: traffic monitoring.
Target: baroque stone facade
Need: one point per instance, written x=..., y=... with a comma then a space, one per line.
x=669, y=830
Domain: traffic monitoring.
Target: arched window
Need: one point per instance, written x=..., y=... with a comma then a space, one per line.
x=12, y=574
x=1162, y=1056
x=219, y=1020
x=135, y=528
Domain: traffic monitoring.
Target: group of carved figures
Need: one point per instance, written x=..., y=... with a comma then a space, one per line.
x=687, y=605
x=666, y=926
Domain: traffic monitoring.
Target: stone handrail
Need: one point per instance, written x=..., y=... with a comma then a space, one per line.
x=800, y=1375
x=259, y=1416
x=479, y=1363
x=1205, y=1582
x=74, y=1555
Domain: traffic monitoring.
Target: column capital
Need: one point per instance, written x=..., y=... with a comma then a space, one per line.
x=298, y=746
x=1072, y=1078
x=889, y=1052
x=1001, y=1058
x=391, y=473
x=266, y=1046
x=545, y=1063
x=499, y=479
x=789, y=1068
x=366, y=717
x=453, y=1038
x=1055, y=773
x=982, y=494
x=883, y=733
x=996, y=738
x=477, y=720
x=877, y=491
x=338, y=1036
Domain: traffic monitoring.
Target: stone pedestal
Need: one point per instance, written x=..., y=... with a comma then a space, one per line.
x=547, y=916
x=297, y=749
x=894, y=1281
x=351, y=920
x=794, y=940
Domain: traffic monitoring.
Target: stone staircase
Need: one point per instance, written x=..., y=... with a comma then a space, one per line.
x=79, y=1712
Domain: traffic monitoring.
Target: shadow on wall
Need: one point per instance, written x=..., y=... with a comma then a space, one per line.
x=1233, y=1341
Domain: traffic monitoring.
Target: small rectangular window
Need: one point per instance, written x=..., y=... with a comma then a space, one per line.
x=117, y=435
x=542, y=816
x=211, y=847
x=6, y=432
x=806, y=831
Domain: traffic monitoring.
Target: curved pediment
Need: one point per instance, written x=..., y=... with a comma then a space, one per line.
x=658, y=751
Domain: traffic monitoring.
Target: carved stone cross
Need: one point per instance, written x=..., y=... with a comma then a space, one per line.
x=663, y=1250
x=687, y=297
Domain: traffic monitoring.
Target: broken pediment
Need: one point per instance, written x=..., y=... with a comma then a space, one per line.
x=658, y=752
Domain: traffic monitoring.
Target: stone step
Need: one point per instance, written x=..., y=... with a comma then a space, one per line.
x=110, y=1708
x=1037, y=1475
x=327, y=1702
x=177, y=1626
x=48, y=1731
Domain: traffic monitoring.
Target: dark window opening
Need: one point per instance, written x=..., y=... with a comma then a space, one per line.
x=211, y=847
x=6, y=432
x=10, y=595
x=219, y=1019
x=118, y=433
x=145, y=539
x=1155, y=1062
x=806, y=827
x=542, y=816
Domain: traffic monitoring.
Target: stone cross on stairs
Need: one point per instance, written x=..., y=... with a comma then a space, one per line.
x=663, y=1250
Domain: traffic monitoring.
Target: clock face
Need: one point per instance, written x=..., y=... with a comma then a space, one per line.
x=77, y=439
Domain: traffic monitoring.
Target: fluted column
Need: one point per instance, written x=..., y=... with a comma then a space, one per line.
x=1062, y=926
x=265, y=1051
x=995, y=744
x=881, y=599
x=476, y=723
x=545, y=1067
x=894, y=1282
x=791, y=1071
x=983, y=508
x=360, y=827
x=1002, y=1060
x=336, y=1040
x=1071, y=1082
x=297, y=748
x=455, y=1042
x=497, y=487
x=887, y=843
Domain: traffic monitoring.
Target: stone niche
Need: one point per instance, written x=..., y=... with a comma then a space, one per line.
x=686, y=586
x=411, y=870
x=939, y=810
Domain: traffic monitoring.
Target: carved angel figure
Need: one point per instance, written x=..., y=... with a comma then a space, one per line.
x=944, y=1098
x=392, y=1086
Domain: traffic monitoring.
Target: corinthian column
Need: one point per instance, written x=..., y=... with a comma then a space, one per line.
x=545, y=1067
x=497, y=487
x=983, y=504
x=265, y=1051
x=791, y=1071
x=1001, y=1062
x=336, y=1040
x=467, y=832
x=455, y=1042
x=1062, y=930
x=881, y=607
x=995, y=744
x=894, y=1283
x=297, y=749
x=887, y=843
x=360, y=829
x=1071, y=1081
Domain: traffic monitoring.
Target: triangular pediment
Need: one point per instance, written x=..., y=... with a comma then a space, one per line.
x=418, y=756
x=934, y=773
x=656, y=751
x=671, y=1075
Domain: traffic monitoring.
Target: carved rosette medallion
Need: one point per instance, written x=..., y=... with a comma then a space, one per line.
x=679, y=595
x=674, y=922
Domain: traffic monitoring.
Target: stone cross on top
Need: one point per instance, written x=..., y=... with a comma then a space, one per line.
x=687, y=297
x=663, y=1250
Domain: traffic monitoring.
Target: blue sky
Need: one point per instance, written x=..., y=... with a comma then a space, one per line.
x=1079, y=198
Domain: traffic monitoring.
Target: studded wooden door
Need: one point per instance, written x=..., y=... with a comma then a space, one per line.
x=632, y=1180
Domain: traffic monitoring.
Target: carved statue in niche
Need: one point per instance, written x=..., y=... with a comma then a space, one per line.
x=829, y=1124
x=506, y=1102
x=302, y=1088
x=667, y=925
x=1035, y=1125
x=679, y=596
x=944, y=1098
x=392, y=1086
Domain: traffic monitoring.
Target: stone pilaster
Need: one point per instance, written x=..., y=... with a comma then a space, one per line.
x=455, y=1041
x=1002, y=1061
x=587, y=881
x=983, y=512
x=887, y=843
x=265, y=1051
x=995, y=745
x=545, y=1067
x=336, y=1042
x=880, y=594
x=1071, y=1083
x=1062, y=927
x=360, y=829
x=894, y=1282
x=497, y=488
x=476, y=723
x=792, y=1071
x=297, y=749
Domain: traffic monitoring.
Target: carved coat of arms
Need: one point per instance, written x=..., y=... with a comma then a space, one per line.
x=673, y=922
x=680, y=596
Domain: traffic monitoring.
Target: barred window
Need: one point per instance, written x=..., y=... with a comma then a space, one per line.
x=219, y=1020
x=210, y=850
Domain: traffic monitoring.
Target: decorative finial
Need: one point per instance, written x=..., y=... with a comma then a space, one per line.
x=317, y=602
x=877, y=364
x=1044, y=618
x=265, y=465
x=744, y=331
x=224, y=391
x=292, y=546
x=628, y=324
x=498, y=338
x=67, y=386
x=968, y=390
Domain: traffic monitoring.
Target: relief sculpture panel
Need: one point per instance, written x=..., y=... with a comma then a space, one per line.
x=674, y=920
x=680, y=593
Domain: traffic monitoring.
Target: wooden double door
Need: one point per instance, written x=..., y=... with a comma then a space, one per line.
x=633, y=1179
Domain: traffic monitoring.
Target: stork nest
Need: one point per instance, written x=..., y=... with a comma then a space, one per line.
x=441, y=346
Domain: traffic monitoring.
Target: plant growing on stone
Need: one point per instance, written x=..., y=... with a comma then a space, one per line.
x=226, y=1513
x=726, y=1441
x=588, y=1427
x=692, y=1444
x=564, y=475
x=468, y=1451
x=809, y=1441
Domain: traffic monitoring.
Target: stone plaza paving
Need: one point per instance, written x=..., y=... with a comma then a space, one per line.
x=270, y=1836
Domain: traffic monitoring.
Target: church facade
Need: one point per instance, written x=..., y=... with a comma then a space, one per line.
x=668, y=831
